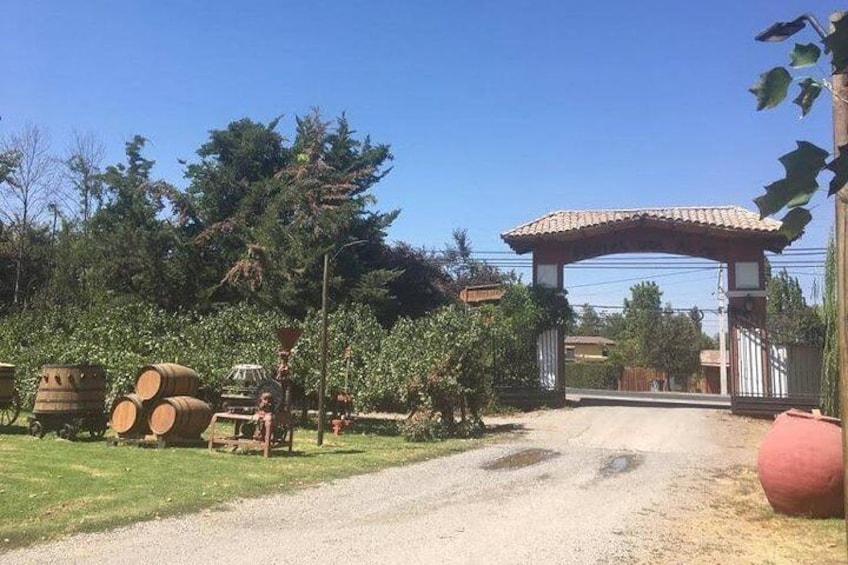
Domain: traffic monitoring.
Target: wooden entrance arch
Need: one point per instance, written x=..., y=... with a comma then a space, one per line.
x=728, y=234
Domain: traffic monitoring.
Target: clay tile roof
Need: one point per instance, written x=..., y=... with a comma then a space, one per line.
x=720, y=218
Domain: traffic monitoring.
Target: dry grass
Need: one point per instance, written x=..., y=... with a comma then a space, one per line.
x=732, y=522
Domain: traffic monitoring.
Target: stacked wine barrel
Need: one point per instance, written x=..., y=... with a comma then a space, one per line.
x=164, y=403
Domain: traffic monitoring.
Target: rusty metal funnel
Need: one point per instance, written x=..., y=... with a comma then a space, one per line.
x=288, y=336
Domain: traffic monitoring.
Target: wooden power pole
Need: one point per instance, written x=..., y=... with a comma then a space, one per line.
x=840, y=139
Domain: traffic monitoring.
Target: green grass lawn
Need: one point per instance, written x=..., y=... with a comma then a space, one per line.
x=51, y=487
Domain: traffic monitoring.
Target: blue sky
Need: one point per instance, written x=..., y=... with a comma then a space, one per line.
x=497, y=112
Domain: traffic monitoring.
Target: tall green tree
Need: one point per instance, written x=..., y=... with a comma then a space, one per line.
x=590, y=321
x=830, y=398
x=788, y=317
x=658, y=337
x=679, y=353
x=262, y=214
x=421, y=285
x=612, y=325
x=83, y=172
x=642, y=320
x=129, y=244
x=464, y=270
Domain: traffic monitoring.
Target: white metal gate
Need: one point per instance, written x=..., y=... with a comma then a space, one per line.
x=547, y=347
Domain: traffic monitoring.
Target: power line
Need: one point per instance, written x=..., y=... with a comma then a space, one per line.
x=661, y=310
x=664, y=275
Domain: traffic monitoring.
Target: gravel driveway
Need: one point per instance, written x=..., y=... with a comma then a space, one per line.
x=584, y=485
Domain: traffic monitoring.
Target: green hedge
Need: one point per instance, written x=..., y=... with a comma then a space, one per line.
x=442, y=362
x=592, y=375
x=124, y=337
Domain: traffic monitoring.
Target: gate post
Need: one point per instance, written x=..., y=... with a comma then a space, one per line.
x=747, y=307
x=549, y=344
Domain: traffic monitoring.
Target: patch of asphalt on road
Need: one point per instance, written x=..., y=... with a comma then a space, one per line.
x=452, y=510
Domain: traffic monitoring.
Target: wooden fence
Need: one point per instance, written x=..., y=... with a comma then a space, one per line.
x=639, y=379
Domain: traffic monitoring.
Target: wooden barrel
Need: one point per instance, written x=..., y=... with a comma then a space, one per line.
x=166, y=379
x=129, y=416
x=70, y=389
x=7, y=383
x=180, y=416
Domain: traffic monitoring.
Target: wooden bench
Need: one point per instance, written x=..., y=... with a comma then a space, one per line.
x=265, y=444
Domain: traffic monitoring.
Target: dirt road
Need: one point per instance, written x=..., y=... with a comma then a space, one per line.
x=585, y=485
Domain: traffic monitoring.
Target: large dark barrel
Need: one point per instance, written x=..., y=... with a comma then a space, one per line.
x=129, y=416
x=180, y=416
x=7, y=383
x=70, y=389
x=166, y=379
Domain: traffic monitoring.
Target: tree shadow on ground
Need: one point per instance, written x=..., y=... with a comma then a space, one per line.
x=508, y=428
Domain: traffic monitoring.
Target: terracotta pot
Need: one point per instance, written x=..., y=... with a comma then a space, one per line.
x=800, y=465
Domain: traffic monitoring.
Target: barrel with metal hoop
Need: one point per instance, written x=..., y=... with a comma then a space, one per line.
x=70, y=398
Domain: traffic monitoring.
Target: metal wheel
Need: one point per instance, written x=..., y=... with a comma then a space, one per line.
x=36, y=429
x=273, y=387
x=247, y=430
x=67, y=431
x=9, y=412
x=97, y=429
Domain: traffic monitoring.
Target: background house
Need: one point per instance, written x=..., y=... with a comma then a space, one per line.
x=587, y=348
x=710, y=381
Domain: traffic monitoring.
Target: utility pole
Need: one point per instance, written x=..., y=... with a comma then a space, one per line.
x=322, y=383
x=839, y=85
x=722, y=327
x=840, y=138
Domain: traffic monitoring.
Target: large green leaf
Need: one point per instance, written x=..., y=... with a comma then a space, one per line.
x=794, y=222
x=805, y=162
x=804, y=55
x=839, y=167
x=803, y=195
x=810, y=90
x=783, y=192
x=771, y=89
x=803, y=166
x=837, y=44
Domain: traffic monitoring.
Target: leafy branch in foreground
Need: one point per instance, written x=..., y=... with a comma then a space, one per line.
x=804, y=164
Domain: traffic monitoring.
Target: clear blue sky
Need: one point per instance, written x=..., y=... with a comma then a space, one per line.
x=497, y=112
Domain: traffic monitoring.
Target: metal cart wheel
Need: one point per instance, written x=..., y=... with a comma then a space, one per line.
x=9, y=412
x=96, y=429
x=67, y=431
x=36, y=429
x=247, y=430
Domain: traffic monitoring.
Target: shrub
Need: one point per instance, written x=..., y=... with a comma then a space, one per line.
x=125, y=336
x=592, y=375
x=515, y=323
x=354, y=340
x=422, y=426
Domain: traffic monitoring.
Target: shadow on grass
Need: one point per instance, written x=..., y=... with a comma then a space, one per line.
x=334, y=452
x=15, y=430
x=361, y=425
x=376, y=426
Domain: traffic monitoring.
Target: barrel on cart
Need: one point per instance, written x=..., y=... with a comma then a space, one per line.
x=70, y=398
x=10, y=403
